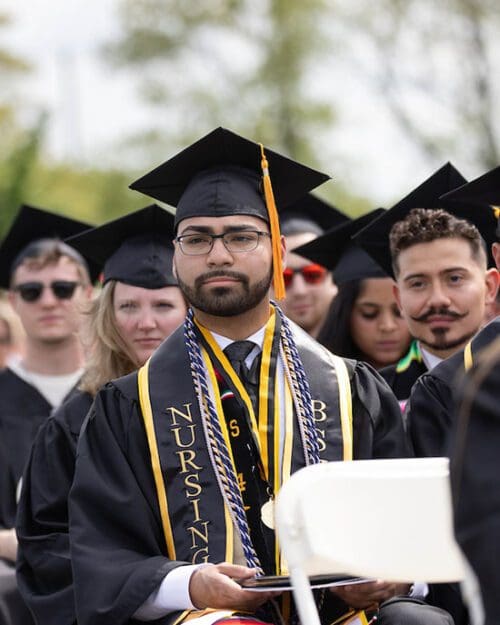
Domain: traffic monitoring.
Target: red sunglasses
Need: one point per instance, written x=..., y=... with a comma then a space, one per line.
x=312, y=274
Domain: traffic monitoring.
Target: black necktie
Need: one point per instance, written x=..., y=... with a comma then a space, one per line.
x=236, y=353
x=253, y=488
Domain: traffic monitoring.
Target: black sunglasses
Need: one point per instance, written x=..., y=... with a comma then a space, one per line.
x=31, y=291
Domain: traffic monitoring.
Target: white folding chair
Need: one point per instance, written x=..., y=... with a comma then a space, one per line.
x=383, y=519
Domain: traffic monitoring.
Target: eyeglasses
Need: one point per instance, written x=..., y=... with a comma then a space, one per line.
x=202, y=243
x=312, y=274
x=32, y=291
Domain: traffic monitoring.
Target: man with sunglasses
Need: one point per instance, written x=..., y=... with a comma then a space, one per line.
x=48, y=283
x=310, y=288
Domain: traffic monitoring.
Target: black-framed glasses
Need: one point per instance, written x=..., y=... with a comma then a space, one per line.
x=32, y=291
x=236, y=241
x=312, y=274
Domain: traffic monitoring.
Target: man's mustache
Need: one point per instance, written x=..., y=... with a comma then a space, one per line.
x=440, y=312
x=220, y=273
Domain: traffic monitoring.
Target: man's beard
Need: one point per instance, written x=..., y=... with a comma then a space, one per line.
x=441, y=343
x=225, y=301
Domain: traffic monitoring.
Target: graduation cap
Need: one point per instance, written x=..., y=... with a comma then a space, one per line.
x=224, y=174
x=336, y=251
x=483, y=194
x=30, y=227
x=310, y=214
x=135, y=249
x=374, y=238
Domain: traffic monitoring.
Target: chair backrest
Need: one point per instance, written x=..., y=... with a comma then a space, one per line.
x=384, y=519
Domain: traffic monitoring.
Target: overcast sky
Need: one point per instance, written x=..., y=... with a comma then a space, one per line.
x=92, y=106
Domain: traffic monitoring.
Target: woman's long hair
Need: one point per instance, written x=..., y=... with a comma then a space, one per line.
x=109, y=355
x=335, y=334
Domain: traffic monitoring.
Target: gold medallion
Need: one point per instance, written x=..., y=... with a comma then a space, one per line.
x=267, y=514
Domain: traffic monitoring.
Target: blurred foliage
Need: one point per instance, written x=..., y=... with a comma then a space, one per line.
x=27, y=176
x=249, y=66
x=435, y=66
x=267, y=69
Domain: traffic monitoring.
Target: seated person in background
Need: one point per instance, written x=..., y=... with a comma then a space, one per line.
x=310, y=288
x=430, y=409
x=442, y=284
x=364, y=321
x=48, y=283
x=139, y=305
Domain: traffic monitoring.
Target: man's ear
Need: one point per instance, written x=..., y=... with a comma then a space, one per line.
x=174, y=269
x=495, y=250
x=492, y=280
x=397, y=296
x=283, y=251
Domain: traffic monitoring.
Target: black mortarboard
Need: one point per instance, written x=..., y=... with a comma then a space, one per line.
x=135, y=249
x=221, y=175
x=224, y=174
x=32, y=225
x=374, y=238
x=335, y=250
x=310, y=214
x=482, y=193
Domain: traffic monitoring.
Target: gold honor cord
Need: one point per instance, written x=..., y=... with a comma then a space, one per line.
x=264, y=382
x=345, y=404
x=468, y=360
x=147, y=415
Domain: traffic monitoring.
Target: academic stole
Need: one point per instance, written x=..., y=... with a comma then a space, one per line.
x=265, y=431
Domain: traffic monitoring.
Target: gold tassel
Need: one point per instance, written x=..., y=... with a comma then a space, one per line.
x=496, y=211
x=279, y=284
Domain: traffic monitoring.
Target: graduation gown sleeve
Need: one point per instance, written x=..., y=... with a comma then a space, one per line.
x=117, y=544
x=22, y=411
x=430, y=410
x=428, y=414
x=378, y=425
x=43, y=564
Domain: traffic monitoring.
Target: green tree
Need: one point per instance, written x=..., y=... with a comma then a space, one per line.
x=249, y=66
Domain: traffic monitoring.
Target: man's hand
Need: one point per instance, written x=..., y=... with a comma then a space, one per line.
x=214, y=587
x=8, y=544
x=369, y=595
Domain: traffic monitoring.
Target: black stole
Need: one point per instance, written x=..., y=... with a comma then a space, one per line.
x=197, y=524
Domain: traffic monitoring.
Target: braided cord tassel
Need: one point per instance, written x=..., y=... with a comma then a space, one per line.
x=218, y=450
x=302, y=393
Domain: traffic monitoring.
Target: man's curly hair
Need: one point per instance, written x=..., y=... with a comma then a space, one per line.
x=423, y=225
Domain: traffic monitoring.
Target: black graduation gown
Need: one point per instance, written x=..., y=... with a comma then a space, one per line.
x=431, y=408
x=430, y=414
x=402, y=376
x=22, y=410
x=475, y=470
x=117, y=543
x=43, y=563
